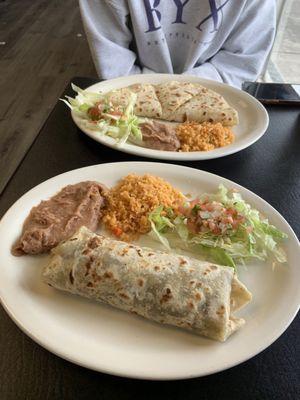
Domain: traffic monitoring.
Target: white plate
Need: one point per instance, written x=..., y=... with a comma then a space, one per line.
x=253, y=118
x=105, y=339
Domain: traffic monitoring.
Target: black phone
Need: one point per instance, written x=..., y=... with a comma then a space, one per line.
x=274, y=93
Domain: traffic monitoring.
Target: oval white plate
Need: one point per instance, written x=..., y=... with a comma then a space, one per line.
x=112, y=341
x=253, y=118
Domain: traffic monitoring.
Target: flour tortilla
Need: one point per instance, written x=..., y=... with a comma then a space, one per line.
x=162, y=287
x=178, y=102
x=206, y=106
x=172, y=95
x=147, y=104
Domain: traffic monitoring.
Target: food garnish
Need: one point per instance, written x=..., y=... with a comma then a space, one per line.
x=99, y=114
x=221, y=226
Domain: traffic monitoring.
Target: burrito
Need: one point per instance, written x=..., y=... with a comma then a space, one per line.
x=162, y=287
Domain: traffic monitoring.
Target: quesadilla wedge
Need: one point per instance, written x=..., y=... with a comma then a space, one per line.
x=147, y=103
x=206, y=106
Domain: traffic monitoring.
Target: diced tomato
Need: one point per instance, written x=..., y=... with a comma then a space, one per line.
x=209, y=207
x=182, y=210
x=217, y=231
x=116, y=112
x=191, y=226
x=212, y=226
x=100, y=106
x=94, y=113
x=228, y=220
x=230, y=211
x=194, y=202
x=117, y=231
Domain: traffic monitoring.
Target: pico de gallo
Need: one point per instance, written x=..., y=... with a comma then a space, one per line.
x=222, y=226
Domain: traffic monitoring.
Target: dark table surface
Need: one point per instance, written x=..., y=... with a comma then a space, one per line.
x=270, y=168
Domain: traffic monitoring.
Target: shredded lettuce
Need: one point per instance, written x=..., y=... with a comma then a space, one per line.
x=122, y=128
x=254, y=238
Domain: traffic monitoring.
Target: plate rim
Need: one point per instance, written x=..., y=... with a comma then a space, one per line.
x=170, y=155
x=42, y=341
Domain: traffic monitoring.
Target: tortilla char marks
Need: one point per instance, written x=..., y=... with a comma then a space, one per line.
x=124, y=251
x=89, y=264
x=167, y=295
x=140, y=282
x=94, y=242
x=108, y=275
x=96, y=277
x=139, y=252
x=71, y=277
x=198, y=296
x=191, y=305
x=221, y=310
x=209, y=269
x=185, y=324
x=157, y=268
x=207, y=290
x=124, y=296
x=193, y=283
x=182, y=262
x=88, y=250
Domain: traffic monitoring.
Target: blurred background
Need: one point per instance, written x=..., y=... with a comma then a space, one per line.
x=43, y=46
x=284, y=62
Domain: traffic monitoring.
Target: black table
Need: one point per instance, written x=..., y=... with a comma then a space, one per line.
x=270, y=168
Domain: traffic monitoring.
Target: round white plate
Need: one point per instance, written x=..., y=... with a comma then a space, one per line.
x=253, y=118
x=108, y=340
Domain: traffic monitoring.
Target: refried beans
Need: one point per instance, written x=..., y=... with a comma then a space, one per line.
x=159, y=136
x=60, y=217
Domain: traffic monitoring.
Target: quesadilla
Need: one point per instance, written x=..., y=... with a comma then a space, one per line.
x=166, y=288
x=178, y=102
x=172, y=95
x=206, y=106
x=147, y=103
